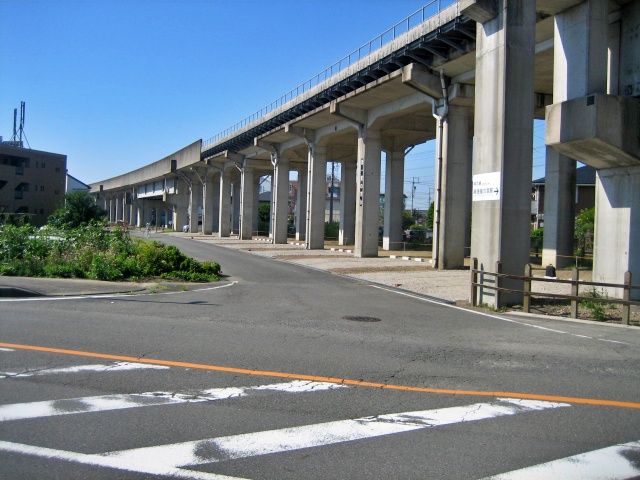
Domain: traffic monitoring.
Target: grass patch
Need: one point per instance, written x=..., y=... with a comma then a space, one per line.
x=95, y=252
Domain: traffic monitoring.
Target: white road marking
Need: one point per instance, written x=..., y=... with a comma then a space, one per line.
x=611, y=463
x=107, y=462
x=70, y=406
x=115, y=295
x=508, y=320
x=218, y=449
x=7, y=350
x=114, y=367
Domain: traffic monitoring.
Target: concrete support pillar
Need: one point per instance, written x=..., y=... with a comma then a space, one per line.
x=280, y=200
x=256, y=204
x=247, y=197
x=132, y=207
x=209, y=196
x=125, y=208
x=503, y=144
x=617, y=228
x=119, y=206
x=393, y=204
x=235, y=212
x=139, y=212
x=451, y=221
x=224, y=212
x=348, y=189
x=112, y=207
x=368, y=194
x=195, y=199
x=301, y=204
x=559, y=209
x=316, y=197
x=272, y=190
x=579, y=68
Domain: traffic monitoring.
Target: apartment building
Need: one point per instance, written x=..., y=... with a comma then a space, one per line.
x=32, y=182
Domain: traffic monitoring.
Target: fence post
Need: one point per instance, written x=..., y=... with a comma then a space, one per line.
x=474, y=280
x=626, y=309
x=575, y=276
x=498, y=283
x=526, y=301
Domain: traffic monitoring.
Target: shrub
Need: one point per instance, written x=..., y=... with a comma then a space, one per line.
x=331, y=230
x=93, y=251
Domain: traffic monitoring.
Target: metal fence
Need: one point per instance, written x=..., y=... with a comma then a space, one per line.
x=431, y=9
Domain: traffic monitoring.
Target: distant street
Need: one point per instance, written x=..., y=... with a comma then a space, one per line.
x=282, y=372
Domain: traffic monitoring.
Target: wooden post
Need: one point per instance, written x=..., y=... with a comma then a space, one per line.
x=526, y=301
x=626, y=309
x=474, y=280
x=575, y=276
x=498, y=282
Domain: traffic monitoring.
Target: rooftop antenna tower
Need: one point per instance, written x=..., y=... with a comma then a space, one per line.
x=14, y=138
x=22, y=114
x=18, y=128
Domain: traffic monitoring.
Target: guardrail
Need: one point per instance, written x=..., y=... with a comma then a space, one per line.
x=431, y=9
x=478, y=280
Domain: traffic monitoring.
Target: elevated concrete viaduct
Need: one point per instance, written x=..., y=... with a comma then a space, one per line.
x=473, y=76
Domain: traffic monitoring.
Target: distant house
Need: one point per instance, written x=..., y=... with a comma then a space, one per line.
x=265, y=197
x=584, y=196
x=75, y=185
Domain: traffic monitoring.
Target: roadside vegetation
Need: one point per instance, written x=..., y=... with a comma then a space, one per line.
x=76, y=243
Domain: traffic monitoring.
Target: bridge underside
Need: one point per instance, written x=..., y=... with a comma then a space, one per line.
x=475, y=82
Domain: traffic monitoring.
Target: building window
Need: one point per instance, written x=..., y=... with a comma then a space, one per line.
x=18, y=195
x=19, y=170
x=42, y=188
x=57, y=169
x=56, y=192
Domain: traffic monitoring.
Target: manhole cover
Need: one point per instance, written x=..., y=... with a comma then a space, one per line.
x=355, y=318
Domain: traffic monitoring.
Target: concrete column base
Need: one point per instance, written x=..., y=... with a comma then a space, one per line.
x=301, y=205
x=348, y=187
x=246, y=204
x=316, y=197
x=393, y=204
x=368, y=201
x=617, y=228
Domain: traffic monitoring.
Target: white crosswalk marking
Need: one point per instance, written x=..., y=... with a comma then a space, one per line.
x=101, y=461
x=21, y=411
x=612, y=463
x=114, y=367
x=273, y=441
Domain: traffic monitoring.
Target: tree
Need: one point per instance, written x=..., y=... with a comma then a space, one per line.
x=79, y=208
x=264, y=213
x=583, y=233
x=429, y=220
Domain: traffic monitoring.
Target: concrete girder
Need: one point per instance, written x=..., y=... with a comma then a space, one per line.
x=421, y=79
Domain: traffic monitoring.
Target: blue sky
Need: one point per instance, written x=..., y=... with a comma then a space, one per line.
x=115, y=84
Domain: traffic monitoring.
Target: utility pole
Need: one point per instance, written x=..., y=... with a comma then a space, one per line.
x=333, y=167
x=414, y=180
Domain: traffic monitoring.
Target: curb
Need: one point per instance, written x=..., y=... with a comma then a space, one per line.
x=411, y=259
x=17, y=292
x=343, y=250
x=570, y=320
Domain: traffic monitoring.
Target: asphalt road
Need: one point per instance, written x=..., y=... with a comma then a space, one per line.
x=474, y=395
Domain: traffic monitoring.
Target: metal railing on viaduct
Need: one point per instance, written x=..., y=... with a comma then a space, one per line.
x=399, y=45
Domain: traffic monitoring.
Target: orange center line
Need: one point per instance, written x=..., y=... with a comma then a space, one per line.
x=320, y=378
